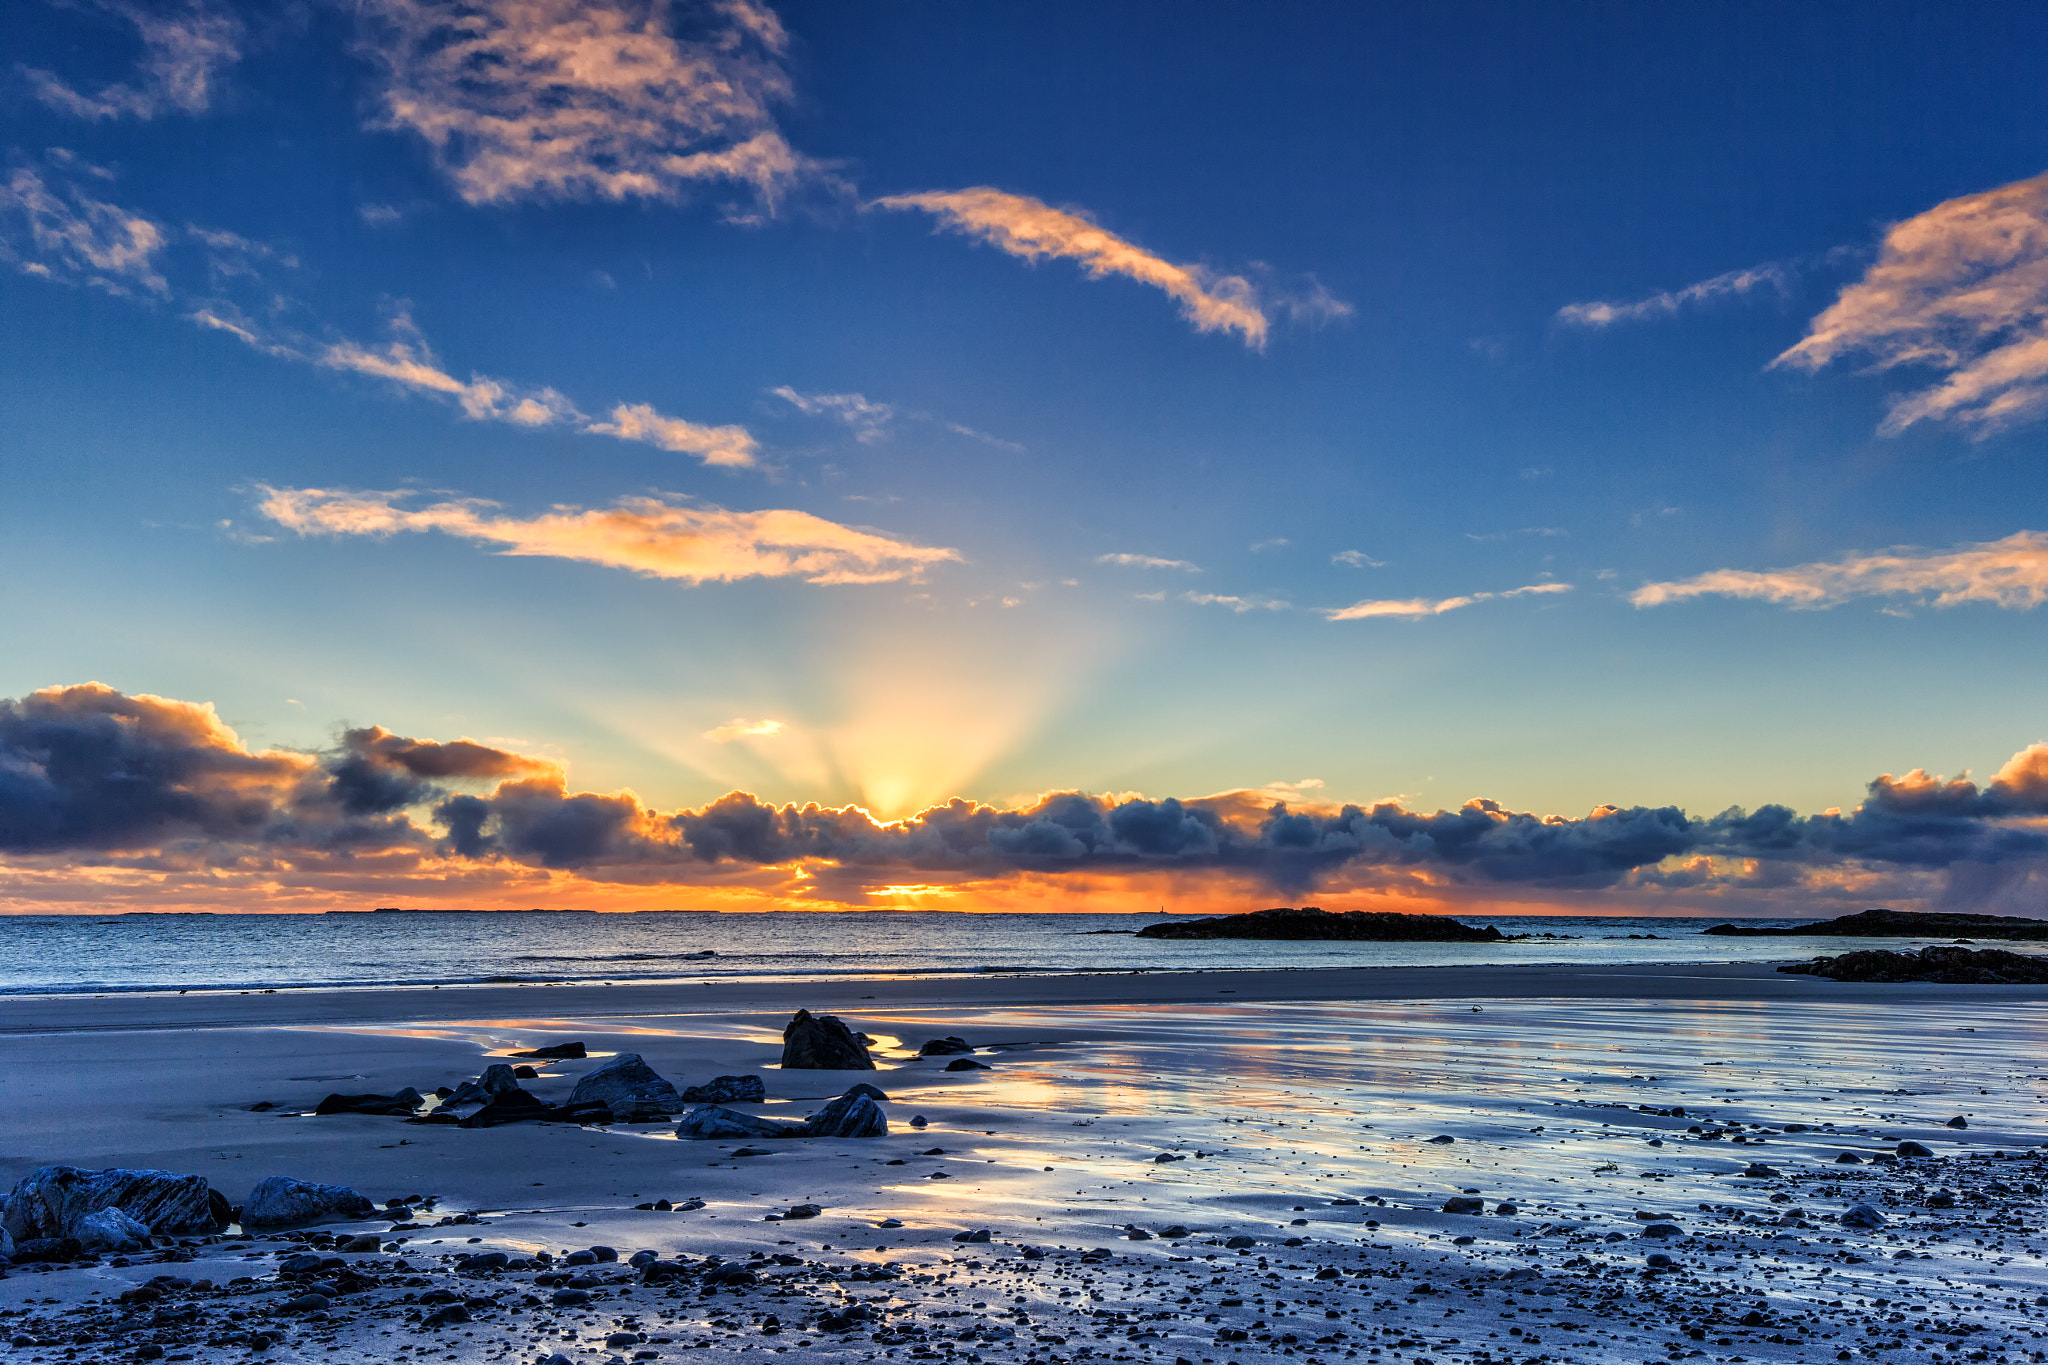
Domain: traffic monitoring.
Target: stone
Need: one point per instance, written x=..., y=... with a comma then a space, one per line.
x=1862, y=1216
x=1848, y=1159
x=965, y=1064
x=1312, y=922
x=281, y=1202
x=111, y=1232
x=1172, y=1232
x=822, y=1043
x=444, y=1317
x=48, y=1202
x=1507, y=1209
x=1443, y=1139
x=1910, y=1148
x=1941, y=1199
x=850, y=1116
x=918, y=1120
x=803, y=1211
x=1757, y=1170
x=727, y=1090
x=54, y=1249
x=306, y=1303
x=1947, y=965
x=1662, y=1230
x=558, y=1052
x=630, y=1088
x=1239, y=1242
x=944, y=1047
x=513, y=1105
x=525, y=1073
x=1461, y=1203
x=715, y=1122
x=389, y=1106
x=569, y=1298
x=496, y=1080
x=977, y=1235
x=1134, y=1233
x=1959, y=1122
x=871, y=1091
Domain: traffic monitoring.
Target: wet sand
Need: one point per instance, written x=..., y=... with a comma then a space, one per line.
x=1275, y=1099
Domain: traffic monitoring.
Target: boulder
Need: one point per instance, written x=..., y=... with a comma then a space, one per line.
x=852, y=1115
x=559, y=1052
x=496, y=1080
x=1911, y=1148
x=965, y=1064
x=1862, y=1216
x=50, y=1201
x=395, y=1106
x=53, y=1249
x=727, y=1090
x=111, y=1232
x=822, y=1042
x=715, y=1122
x=944, y=1047
x=281, y=1202
x=1959, y=1122
x=6, y=1246
x=872, y=1092
x=1464, y=1203
x=629, y=1088
x=516, y=1106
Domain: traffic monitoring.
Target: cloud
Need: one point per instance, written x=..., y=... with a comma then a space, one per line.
x=67, y=236
x=409, y=363
x=869, y=419
x=1027, y=228
x=650, y=536
x=1357, y=559
x=2010, y=573
x=728, y=447
x=574, y=99
x=1240, y=605
x=184, y=48
x=741, y=728
x=99, y=784
x=1668, y=303
x=1417, y=608
x=1130, y=561
x=1962, y=290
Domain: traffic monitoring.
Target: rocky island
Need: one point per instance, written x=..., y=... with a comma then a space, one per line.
x=1883, y=923
x=1313, y=922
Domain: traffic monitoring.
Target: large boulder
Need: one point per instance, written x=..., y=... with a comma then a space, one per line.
x=496, y=1080
x=852, y=1115
x=948, y=1046
x=111, y=1232
x=713, y=1122
x=50, y=1202
x=727, y=1090
x=822, y=1042
x=281, y=1202
x=390, y=1106
x=628, y=1087
x=6, y=1244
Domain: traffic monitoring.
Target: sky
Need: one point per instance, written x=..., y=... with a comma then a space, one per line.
x=500, y=453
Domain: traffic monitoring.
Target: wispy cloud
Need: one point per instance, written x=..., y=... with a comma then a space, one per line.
x=406, y=361
x=1260, y=546
x=66, y=235
x=1130, y=561
x=650, y=536
x=2010, y=573
x=1961, y=289
x=1669, y=302
x=1418, y=608
x=728, y=447
x=1035, y=231
x=1486, y=537
x=1357, y=559
x=1240, y=605
x=589, y=98
x=869, y=419
x=184, y=47
x=741, y=728
x=971, y=434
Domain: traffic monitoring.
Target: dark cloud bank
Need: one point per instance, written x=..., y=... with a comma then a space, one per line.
x=87, y=772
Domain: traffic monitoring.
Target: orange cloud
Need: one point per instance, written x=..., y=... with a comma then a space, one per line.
x=2010, y=573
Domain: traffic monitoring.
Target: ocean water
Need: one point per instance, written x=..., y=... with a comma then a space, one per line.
x=62, y=954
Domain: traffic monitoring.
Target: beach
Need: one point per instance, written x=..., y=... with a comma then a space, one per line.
x=1326, y=1116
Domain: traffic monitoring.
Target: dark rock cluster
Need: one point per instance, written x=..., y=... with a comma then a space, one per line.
x=1313, y=922
x=1948, y=965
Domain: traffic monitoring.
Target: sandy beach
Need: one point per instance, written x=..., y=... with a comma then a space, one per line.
x=1325, y=1116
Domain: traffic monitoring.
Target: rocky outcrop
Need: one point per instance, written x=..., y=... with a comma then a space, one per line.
x=727, y=1090
x=559, y=1052
x=1311, y=922
x=51, y=1201
x=944, y=1047
x=822, y=1042
x=852, y=1115
x=1883, y=923
x=388, y=1106
x=1950, y=966
x=496, y=1080
x=715, y=1122
x=517, y=1106
x=282, y=1202
x=629, y=1088
x=849, y=1116
x=111, y=1232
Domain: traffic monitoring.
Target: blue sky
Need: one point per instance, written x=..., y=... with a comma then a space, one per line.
x=1000, y=400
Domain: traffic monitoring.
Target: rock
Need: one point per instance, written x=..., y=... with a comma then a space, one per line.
x=388, y=1106
x=1941, y=1199
x=822, y=1043
x=872, y=1092
x=111, y=1232
x=569, y=1298
x=1959, y=1122
x=558, y=1052
x=1861, y=1216
x=727, y=1090
x=803, y=1211
x=496, y=1080
x=620, y=1340
x=1910, y=1148
x=714, y=1122
x=48, y=1202
x=306, y=1303
x=1443, y=1139
x=630, y=1089
x=512, y=1105
x=444, y=1317
x=1848, y=1159
x=1464, y=1203
x=1134, y=1233
x=1506, y=1209
x=281, y=1202
x=525, y=1073
x=852, y=1115
x=1947, y=965
x=1239, y=1242
x=977, y=1235
x=944, y=1047
x=54, y=1249
x=1882, y=923
x=1756, y=1170
x=1311, y=922
x=965, y=1064
x=1172, y=1232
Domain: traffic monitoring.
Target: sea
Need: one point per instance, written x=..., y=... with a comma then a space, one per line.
x=72, y=954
